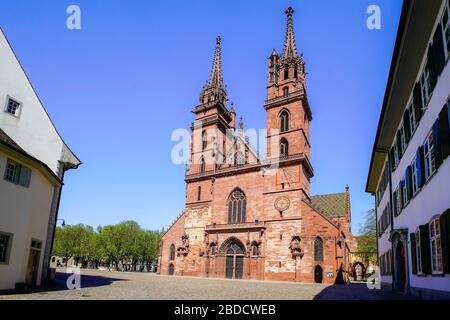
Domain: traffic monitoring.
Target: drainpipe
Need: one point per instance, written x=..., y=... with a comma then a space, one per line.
x=52, y=223
x=391, y=213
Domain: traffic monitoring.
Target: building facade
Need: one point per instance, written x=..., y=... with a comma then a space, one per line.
x=252, y=217
x=33, y=159
x=410, y=168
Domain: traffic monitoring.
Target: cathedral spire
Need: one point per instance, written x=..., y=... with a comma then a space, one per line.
x=290, y=51
x=216, y=72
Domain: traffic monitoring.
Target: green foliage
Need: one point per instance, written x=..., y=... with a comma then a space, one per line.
x=367, y=241
x=124, y=242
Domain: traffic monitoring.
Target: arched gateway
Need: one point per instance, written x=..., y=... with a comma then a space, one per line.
x=234, y=251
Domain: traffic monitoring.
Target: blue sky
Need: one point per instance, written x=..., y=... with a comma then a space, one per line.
x=117, y=88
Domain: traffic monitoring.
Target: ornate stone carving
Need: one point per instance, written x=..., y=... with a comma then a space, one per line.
x=295, y=248
x=183, y=250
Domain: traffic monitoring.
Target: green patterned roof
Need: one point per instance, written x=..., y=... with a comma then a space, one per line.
x=330, y=205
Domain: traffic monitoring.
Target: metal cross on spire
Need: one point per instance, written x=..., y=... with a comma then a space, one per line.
x=216, y=73
x=290, y=51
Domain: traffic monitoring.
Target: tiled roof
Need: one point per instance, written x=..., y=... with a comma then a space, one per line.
x=330, y=205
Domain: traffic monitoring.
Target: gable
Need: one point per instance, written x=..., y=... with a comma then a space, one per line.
x=33, y=129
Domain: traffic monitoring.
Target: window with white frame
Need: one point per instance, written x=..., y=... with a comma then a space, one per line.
x=13, y=107
x=12, y=172
x=429, y=157
x=436, y=249
x=414, y=176
x=5, y=247
x=445, y=23
x=17, y=174
x=404, y=193
x=418, y=252
x=403, y=138
x=412, y=118
x=425, y=87
x=398, y=198
x=396, y=155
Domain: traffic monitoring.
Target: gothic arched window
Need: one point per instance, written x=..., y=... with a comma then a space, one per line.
x=284, y=148
x=255, y=249
x=284, y=121
x=202, y=165
x=295, y=72
x=286, y=72
x=204, y=140
x=237, y=206
x=172, y=252
x=318, y=249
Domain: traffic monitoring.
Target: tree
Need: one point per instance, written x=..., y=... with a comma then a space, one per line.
x=367, y=241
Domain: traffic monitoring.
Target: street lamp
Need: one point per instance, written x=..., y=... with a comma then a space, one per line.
x=63, y=222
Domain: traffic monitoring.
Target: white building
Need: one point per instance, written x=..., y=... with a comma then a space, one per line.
x=33, y=159
x=410, y=167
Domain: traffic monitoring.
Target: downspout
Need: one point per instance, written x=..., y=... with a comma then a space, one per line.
x=52, y=223
x=391, y=213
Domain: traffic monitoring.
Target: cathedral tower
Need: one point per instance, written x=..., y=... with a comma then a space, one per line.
x=287, y=109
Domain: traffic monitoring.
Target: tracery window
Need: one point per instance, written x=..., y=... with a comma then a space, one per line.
x=318, y=249
x=237, y=204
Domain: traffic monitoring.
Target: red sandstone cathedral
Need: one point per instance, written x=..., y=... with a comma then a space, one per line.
x=248, y=217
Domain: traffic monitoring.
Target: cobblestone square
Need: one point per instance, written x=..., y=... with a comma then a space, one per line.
x=105, y=285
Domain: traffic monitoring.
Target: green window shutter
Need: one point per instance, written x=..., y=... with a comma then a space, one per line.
x=25, y=177
x=437, y=144
x=408, y=180
x=438, y=51
x=420, y=167
x=417, y=100
x=431, y=68
x=444, y=132
x=407, y=126
x=399, y=146
x=425, y=253
x=392, y=158
x=412, y=240
x=444, y=221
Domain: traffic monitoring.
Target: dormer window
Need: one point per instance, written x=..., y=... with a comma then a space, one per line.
x=13, y=107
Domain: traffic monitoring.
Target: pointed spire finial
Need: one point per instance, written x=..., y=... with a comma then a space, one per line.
x=216, y=73
x=290, y=51
x=241, y=124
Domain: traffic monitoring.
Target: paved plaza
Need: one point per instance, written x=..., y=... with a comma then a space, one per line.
x=107, y=285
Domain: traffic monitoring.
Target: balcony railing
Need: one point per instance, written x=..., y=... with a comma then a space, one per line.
x=266, y=163
x=247, y=225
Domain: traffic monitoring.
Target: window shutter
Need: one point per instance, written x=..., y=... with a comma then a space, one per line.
x=425, y=248
x=431, y=68
x=444, y=132
x=437, y=144
x=399, y=146
x=395, y=203
x=392, y=158
x=444, y=221
x=420, y=167
x=25, y=177
x=408, y=180
x=438, y=51
x=417, y=97
x=407, y=126
x=412, y=240
x=400, y=191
